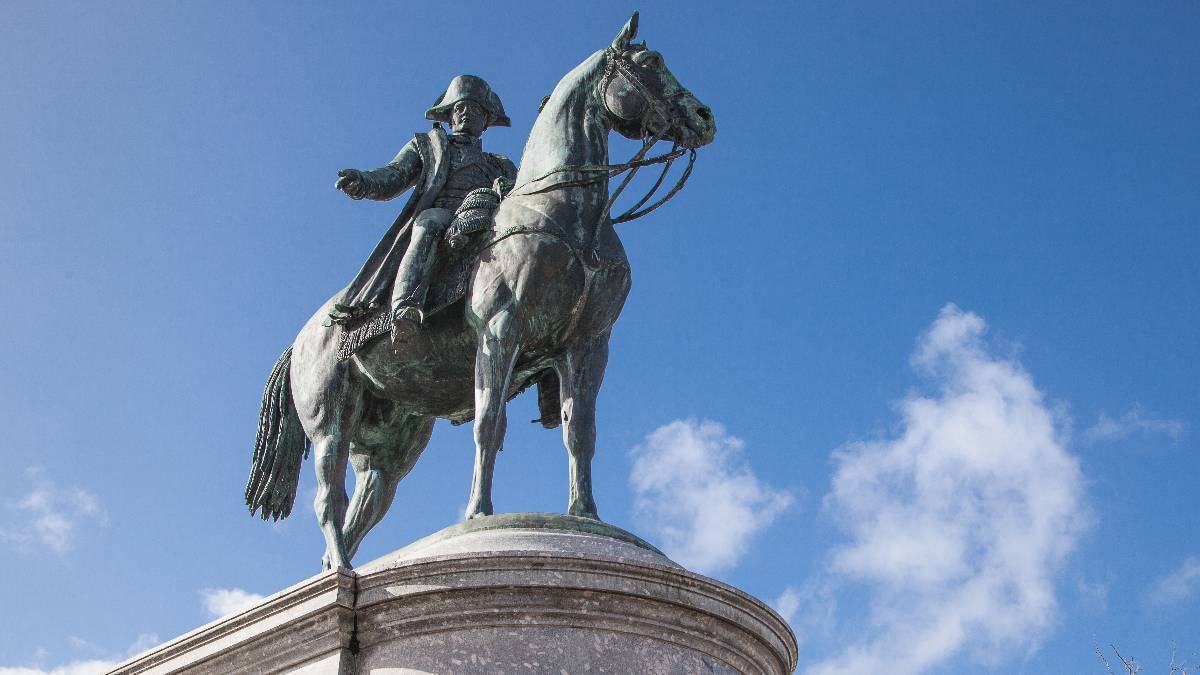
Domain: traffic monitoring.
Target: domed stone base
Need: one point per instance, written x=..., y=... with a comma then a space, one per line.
x=515, y=593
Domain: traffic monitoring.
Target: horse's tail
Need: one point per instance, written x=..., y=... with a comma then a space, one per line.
x=279, y=449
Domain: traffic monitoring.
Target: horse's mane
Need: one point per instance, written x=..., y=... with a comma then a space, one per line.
x=571, y=109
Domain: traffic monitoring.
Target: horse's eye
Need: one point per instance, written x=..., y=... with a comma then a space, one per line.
x=650, y=60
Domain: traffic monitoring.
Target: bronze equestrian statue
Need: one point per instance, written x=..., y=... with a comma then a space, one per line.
x=543, y=287
x=443, y=170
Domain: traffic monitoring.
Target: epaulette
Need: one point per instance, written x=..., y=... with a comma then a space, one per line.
x=501, y=162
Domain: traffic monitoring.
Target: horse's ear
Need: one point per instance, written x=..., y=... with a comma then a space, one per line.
x=628, y=32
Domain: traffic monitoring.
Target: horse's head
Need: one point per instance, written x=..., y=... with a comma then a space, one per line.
x=643, y=98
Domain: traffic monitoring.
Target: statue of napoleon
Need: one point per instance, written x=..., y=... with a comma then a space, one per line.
x=443, y=169
x=487, y=288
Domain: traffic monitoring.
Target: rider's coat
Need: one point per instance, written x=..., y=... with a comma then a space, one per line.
x=440, y=172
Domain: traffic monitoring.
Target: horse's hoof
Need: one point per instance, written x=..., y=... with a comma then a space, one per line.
x=583, y=512
x=479, y=512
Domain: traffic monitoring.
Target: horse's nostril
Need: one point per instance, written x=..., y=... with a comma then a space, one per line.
x=705, y=114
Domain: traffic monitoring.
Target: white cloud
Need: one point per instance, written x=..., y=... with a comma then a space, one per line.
x=80, y=643
x=811, y=609
x=95, y=666
x=694, y=489
x=788, y=604
x=50, y=515
x=1178, y=585
x=1093, y=595
x=1135, y=421
x=959, y=524
x=143, y=642
x=219, y=602
x=90, y=667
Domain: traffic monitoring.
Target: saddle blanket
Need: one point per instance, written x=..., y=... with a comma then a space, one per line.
x=448, y=284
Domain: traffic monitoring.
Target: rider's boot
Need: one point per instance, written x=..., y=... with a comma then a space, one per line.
x=406, y=323
x=412, y=277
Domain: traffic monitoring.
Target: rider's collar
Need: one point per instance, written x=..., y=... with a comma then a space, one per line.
x=464, y=139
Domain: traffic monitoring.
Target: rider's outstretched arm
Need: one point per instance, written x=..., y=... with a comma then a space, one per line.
x=392, y=179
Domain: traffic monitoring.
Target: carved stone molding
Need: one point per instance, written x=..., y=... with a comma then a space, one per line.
x=530, y=593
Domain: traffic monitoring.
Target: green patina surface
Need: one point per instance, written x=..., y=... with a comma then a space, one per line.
x=538, y=312
x=532, y=521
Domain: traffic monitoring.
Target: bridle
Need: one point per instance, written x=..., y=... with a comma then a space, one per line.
x=667, y=114
x=661, y=111
x=660, y=115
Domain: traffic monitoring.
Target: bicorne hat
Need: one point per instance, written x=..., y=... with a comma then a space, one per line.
x=469, y=88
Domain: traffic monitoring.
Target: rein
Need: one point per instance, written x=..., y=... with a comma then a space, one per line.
x=615, y=62
x=609, y=171
x=658, y=107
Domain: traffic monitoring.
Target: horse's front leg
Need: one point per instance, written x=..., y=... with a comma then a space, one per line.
x=494, y=359
x=580, y=374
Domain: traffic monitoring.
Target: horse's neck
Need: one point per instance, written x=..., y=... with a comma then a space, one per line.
x=571, y=130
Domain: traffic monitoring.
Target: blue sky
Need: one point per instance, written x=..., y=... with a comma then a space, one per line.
x=923, y=320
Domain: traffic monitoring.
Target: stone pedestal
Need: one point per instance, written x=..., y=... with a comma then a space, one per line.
x=516, y=593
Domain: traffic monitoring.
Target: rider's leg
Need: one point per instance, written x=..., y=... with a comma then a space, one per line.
x=412, y=279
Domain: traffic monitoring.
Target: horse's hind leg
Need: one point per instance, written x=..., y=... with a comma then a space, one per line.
x=383, y=453
x=329, y=403
x=580, y=374
x=330, y=454
x=332, y=425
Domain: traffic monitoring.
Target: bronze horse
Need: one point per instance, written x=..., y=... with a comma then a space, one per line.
x=542, y=300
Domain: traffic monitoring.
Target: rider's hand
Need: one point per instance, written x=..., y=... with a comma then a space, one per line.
x=351, y=182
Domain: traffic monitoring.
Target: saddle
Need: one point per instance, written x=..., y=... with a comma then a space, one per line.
x=456, y=252
x=471, y=231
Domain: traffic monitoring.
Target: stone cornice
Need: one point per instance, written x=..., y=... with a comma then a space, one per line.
x=317, y=614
